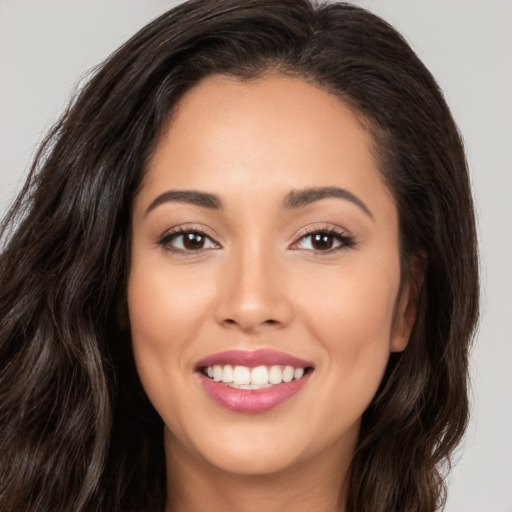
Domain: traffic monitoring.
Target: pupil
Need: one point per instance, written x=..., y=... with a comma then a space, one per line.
x=193, y=241
x=322, y=241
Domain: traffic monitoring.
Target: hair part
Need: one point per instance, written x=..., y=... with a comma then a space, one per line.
x=78, y=432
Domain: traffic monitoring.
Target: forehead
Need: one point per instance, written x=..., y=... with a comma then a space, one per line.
x=263, y=138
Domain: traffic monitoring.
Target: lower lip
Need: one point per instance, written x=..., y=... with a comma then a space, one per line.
x=252, y=400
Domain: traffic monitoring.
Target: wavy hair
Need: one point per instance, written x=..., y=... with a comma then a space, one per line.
x=77, y=431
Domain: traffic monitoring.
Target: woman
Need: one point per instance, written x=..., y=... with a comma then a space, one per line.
x=242, y=274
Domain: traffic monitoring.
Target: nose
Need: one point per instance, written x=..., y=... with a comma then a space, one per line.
x=252, y=293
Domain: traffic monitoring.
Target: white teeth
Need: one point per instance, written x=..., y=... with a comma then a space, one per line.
x=248, y=386
x=288, y=374
x=227, y=374
x=217, y=372
x=253, y=386
x=275, y=375
x=259, y=375
x=243, y=377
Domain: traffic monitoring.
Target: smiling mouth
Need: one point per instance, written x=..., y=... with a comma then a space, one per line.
x=252, y=381
x=258, y=377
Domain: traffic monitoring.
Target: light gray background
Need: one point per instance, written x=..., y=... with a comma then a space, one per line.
x=47, y=45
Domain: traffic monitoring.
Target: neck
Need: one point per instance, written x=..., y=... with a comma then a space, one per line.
x=194, y=485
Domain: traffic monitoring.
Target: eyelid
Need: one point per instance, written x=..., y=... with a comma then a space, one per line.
x=348, y=240
x=180, y=230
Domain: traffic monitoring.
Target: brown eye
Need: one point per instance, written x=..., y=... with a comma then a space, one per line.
x=322, y=241
x=188, y=241
x=193, y=241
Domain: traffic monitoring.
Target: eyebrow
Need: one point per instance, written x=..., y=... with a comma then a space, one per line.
x=194, y=197
x=300, y=198
x=295, y=199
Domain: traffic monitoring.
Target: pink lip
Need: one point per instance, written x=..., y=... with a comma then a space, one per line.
x=252, y=400
x=252, y=358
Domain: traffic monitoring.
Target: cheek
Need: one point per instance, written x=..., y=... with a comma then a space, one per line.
x=351, y=303
x=351, y=315
x=164, y=307
x=163, y=320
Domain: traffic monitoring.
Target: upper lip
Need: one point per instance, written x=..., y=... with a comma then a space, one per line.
x=252, y=358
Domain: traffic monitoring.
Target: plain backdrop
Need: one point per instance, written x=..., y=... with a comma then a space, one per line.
x=46, y=46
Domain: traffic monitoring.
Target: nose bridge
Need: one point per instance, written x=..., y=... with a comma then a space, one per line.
x=251, y=291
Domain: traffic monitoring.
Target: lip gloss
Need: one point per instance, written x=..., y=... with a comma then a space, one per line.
x=252, y=400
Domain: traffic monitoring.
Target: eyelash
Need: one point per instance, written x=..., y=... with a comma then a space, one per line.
x=346, y=241
x=167, y=238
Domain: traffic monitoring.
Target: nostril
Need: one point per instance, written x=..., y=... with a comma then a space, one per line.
x=271, y=321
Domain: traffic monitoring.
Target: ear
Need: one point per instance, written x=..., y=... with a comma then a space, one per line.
x=406, y=307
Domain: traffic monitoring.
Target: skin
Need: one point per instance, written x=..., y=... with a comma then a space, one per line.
x=260, y=284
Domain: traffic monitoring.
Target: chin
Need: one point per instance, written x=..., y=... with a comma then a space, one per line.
x=252, y=459
x=266, y=444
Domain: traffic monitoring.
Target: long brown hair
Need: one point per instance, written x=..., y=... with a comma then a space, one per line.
x=77, y=431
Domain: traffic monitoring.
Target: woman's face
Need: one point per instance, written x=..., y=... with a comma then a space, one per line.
x=264, y=238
